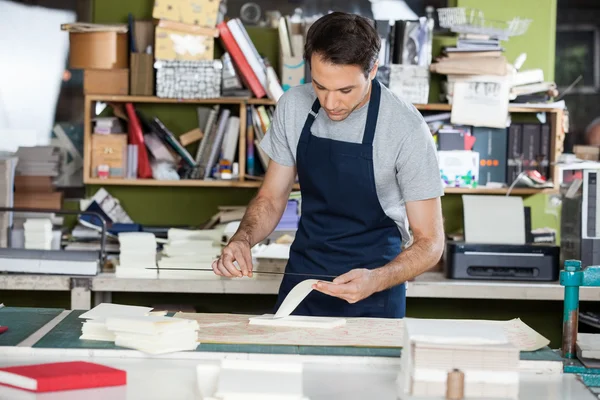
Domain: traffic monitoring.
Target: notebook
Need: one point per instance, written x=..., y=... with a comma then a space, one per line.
x=70, y=375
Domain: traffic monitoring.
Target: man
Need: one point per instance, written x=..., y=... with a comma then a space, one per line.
x=367, y=168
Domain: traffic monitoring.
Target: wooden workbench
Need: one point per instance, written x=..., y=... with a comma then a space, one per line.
x=428, y=285
x=47, y=335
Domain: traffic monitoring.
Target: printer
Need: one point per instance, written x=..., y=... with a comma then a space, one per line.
x=498, y=244
x=527, y=262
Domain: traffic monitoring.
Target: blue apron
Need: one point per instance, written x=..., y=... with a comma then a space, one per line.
x=342, y=226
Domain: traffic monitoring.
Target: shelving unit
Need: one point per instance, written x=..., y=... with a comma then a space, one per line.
x=554, y=117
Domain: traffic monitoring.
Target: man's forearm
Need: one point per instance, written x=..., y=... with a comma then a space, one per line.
x=260, y=219
x=416, y=259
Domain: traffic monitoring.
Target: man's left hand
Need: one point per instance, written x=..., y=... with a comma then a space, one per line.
x=353, y=286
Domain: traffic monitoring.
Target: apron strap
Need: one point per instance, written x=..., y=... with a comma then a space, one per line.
x=310, y=118
x=372, y=113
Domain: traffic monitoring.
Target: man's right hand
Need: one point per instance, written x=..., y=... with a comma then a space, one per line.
x=238, y=251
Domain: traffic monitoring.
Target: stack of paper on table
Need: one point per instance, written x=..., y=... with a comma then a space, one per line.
x=154, y=334
x=482, y=351
x=38, y=233
x=255, y=380
x=94, y=327
x=138, y=328
x=137, y=254
x=189, y=249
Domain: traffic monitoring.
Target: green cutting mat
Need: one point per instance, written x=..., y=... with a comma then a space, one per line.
x=23, y=322
x=66, y=336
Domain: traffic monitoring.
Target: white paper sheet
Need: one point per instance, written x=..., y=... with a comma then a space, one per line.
x=494, y=219
x=106, y=310
x=33, y=50
x=481, y=102
x=298, y=321
x=295, y=297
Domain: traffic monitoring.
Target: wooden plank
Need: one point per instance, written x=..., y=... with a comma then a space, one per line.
x=154, y=99
x=264, y=102
x=87, y=139
x=167, y=183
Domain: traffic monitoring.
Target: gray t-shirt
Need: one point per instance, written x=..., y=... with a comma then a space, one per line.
x=404, y=154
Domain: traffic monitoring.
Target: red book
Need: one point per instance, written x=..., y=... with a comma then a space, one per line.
x=59, y=376
x=246, y=72
x=136, y=137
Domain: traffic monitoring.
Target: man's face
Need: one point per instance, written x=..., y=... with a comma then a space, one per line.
x=340, y=88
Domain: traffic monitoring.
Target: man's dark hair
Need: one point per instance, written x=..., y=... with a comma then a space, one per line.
x=343, y=39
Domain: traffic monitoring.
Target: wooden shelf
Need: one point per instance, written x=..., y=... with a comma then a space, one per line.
x=265, y=101
x=511, y=108
x=555, y=119
x=256, y=184
x=173, y=183
x=154, y=99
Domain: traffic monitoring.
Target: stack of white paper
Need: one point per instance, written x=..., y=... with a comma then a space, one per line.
x=189, y=249
x=433, y=348
x=38, y=233
x=154, y=334
x=94, y=327
x=137, y=255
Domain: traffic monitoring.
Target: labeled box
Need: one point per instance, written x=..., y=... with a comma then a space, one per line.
x=191, y=12
x=183, y=44
x=109, y=150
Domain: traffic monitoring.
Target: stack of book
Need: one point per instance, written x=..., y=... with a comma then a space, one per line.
x=137, y=255
x=37, y=169
x=472, y=55
x=480, y=350
x=255, y=71
x=529, y=86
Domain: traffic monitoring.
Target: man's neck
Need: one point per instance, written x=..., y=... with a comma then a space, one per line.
x=365, y=99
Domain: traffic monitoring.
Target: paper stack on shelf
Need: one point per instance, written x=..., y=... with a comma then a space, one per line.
x=138, y=253
x=154, y=334
x=38, y=234
x=481, y=351
x=192, y=249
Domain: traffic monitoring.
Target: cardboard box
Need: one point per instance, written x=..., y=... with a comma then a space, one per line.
x=192, y=12
x=98, y=50
x=110, y=150
x=182, y=45
x=141, y=75
x=106, y=81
